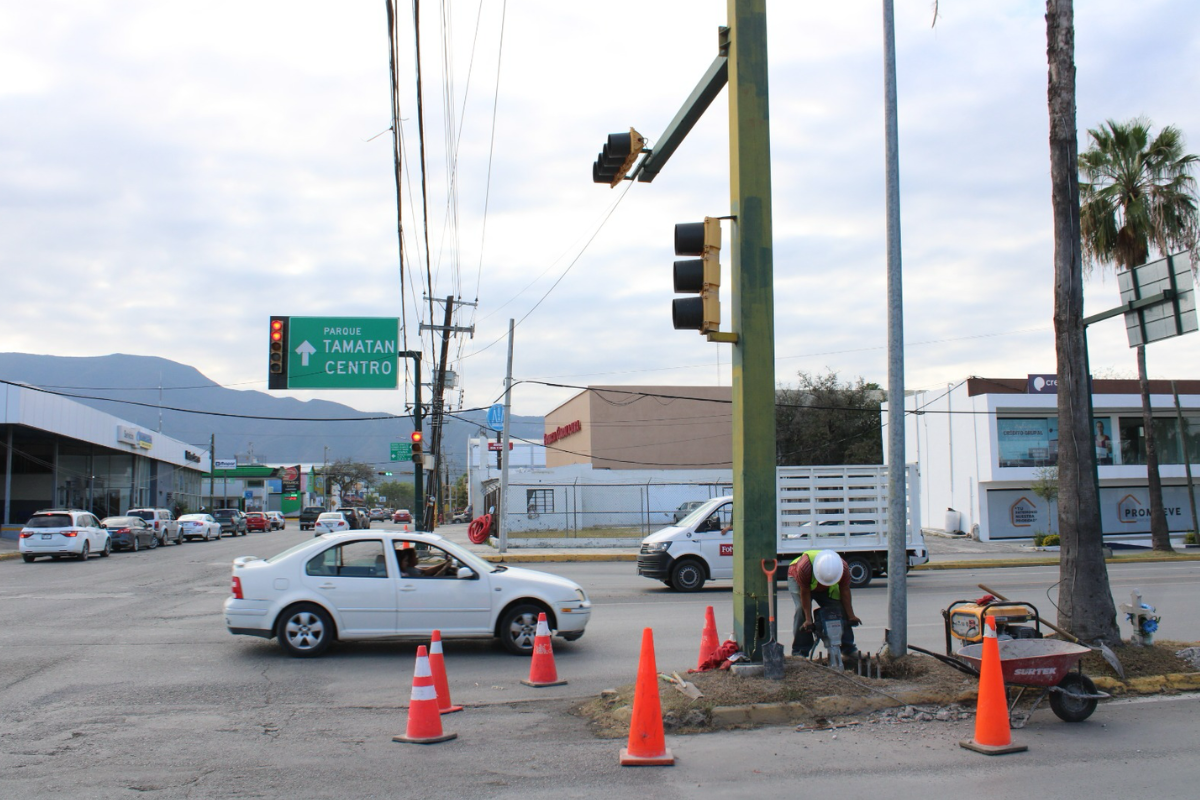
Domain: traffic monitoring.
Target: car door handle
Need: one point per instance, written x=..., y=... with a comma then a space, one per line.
x=327, y=586
x=408, y=588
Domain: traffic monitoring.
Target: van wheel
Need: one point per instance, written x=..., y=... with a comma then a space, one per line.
x=687, y=575
x=860, y=572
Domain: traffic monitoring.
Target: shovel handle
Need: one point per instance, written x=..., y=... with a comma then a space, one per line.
x=770, y=571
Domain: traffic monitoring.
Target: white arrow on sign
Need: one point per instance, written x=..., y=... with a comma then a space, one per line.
x=305, y=350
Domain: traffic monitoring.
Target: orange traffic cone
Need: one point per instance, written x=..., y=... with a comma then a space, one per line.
x=424, y=721
x=708, y=639
x=992, y=734
x=646, y=747
x=437, y=664
x=541, y=669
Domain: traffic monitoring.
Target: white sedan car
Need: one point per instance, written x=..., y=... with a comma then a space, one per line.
x=331, y=522
x=359, y=585
x=199, y=526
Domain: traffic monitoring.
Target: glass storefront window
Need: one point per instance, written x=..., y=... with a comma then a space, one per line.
x=1027, y=442
x=1166, y=437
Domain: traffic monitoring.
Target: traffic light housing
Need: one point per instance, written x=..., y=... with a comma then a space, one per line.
x=277, y=377
x=699, y=276
x=418, y=454
x=383, y=473
x=617, y=157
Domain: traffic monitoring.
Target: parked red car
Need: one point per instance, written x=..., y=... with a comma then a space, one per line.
x=402, y=515
x=257, y=521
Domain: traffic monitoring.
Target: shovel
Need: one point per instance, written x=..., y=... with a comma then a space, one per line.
x=772, y=650
x=1100, y=647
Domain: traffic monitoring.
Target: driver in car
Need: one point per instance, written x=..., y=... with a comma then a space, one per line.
x=409, y=568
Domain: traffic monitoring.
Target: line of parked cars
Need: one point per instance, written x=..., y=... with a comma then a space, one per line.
x=77, y=534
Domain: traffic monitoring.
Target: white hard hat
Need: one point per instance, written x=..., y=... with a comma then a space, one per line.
x=827, y=568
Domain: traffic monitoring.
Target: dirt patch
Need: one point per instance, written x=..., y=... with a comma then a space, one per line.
x=813, y=692
x=1141, y=662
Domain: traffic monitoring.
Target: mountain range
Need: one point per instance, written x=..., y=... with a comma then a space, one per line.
x=179, y=401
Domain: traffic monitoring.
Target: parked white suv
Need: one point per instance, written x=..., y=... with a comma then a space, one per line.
x=59, y=533
x=166, y=527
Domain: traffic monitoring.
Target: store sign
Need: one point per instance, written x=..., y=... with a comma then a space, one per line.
x=290, y=479
x=1017, y=513
x=188, y=455
x=127, y=435
x=145, y=441
x=225, y=463
x=1042, y=384
x=562, y=432
x=496, y=446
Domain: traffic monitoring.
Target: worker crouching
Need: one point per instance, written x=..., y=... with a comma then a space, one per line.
x=824, y=576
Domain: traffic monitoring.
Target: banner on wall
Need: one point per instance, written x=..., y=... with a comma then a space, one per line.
x=1124, y=510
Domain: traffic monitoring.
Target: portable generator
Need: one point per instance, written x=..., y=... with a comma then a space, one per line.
x=965, y=620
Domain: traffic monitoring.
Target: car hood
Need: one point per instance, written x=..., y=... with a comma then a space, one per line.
x=667, y=534
x=551, y=585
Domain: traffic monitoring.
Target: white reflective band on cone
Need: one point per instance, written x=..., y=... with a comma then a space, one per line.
x=543, y=629
x=435, y=647
x=422, y=670
x=424, y=693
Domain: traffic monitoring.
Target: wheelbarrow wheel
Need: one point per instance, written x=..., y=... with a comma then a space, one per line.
x=1069, y=702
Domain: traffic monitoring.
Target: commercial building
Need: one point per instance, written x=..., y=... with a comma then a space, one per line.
x=60, y=453
x=643, y=427
x=985, y=444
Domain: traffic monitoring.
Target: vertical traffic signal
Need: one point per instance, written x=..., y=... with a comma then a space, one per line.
x=617, y=157
x=277, y=377
x=417, y=454
x=701, y=276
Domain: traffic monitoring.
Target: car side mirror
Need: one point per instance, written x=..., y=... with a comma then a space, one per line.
x=466, y=574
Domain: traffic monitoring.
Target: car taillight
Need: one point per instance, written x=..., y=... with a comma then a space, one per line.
x=156, y=524
x=121, y=530
x=69, y=533
x=26, y=534
x=236, y=588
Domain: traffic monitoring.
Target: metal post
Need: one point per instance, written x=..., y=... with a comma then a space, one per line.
x=753, y=315
x=504, y=454
x=212, y=467
x=897, y=634
x=418, y=466
x=1187, y=458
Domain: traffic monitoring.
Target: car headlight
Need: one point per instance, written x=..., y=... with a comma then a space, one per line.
x=582, y=597
x=656, y=547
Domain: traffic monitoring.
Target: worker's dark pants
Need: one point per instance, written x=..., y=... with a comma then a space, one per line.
x=803, y=642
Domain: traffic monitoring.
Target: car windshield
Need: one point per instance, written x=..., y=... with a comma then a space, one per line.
x=701, y=513
x=470, y=559
x=146, y=515
x=223, y=512
x=289, y=551
x=330, y=516
x=119, y=522
x=50, y=521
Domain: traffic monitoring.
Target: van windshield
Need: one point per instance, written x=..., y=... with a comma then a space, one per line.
x=50, y=521
x=707, y=510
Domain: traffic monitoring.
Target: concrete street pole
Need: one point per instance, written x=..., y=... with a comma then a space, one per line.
x=504, y=454
x=753, y=320
x=897, y=637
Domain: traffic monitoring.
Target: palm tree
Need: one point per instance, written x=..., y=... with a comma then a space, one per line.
x=1137, y=192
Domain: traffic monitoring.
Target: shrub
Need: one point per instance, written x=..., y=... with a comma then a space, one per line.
x=1039, y=538
x=1050, y=541
x=1190, y=538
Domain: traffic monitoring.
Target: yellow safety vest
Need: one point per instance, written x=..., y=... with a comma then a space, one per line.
x=835, y=592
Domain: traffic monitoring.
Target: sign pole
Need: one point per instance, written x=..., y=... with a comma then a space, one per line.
x=504, y=454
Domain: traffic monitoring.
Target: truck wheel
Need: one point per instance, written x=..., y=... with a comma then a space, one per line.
x=860, y=572
x=687, y=575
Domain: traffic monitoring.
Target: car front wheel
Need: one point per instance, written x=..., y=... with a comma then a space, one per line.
x=107, y=548
x=518, y=628
x=687, y=575
x=305, y=631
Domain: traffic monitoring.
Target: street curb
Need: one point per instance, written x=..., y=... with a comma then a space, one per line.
x=1046, y=562
x=547, y=558
x=1151, y=684
x=9, y=556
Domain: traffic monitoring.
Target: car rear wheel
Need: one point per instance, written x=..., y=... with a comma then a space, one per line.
x=154, y=542
x=135, y=545
x=85, y=552
x=305, y=631
x=518, y=628
x=28, y=558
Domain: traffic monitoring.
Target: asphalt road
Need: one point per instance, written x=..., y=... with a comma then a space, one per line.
x=118, y=679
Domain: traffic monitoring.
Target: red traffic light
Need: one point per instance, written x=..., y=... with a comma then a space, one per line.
x=417, y=437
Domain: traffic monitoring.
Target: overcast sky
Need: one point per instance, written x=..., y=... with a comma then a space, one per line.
x=172, y=174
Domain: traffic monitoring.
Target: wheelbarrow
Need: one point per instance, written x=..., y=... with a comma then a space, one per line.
x=1051, y=665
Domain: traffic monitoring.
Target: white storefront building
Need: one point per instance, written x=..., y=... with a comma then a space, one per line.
x=983, y=443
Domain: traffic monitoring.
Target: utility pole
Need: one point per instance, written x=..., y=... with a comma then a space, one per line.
x=439, y=386
x=753, y=315
x=897, y=633
x=212, y=466
x=503, y=455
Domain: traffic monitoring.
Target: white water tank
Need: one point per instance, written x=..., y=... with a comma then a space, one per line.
x=953, y=521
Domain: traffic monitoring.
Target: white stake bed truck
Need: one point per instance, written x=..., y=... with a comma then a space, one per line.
x=841, y=508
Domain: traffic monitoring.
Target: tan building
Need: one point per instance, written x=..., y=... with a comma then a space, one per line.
x=643, y=427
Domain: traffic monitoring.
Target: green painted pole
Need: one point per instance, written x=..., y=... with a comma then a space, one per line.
x=753, y=320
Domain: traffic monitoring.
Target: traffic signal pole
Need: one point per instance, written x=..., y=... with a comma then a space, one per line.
x=753, y=321
x=418, y=467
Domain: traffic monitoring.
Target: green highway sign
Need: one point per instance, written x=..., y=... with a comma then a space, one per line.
x=342, y=352
x=401, y=451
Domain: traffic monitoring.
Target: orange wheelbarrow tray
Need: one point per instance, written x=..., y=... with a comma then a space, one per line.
x=1045, y=664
